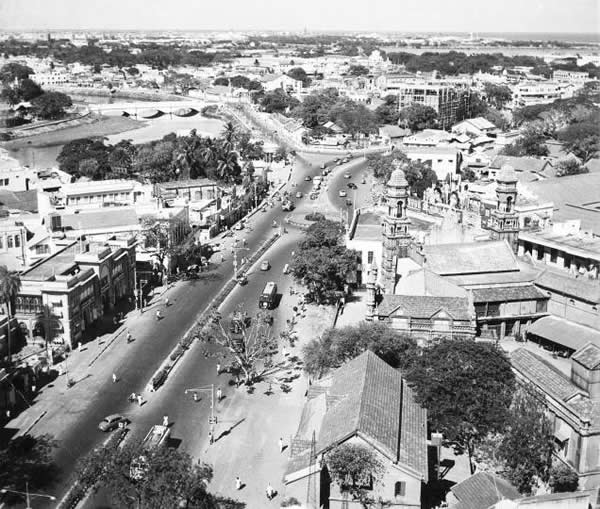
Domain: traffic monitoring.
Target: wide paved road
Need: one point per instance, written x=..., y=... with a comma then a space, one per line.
x=153, y=341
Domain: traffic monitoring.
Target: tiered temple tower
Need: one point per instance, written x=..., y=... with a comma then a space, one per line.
x=396, y=238
x=504, y=223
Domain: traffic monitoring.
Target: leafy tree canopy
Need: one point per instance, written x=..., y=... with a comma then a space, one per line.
x=466, y=387
x=339, y=345
x=51, y=105
x=322, y=262
x=563, y=478
x=418, y=117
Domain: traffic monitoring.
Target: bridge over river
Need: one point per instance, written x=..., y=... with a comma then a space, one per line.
x=151, y=109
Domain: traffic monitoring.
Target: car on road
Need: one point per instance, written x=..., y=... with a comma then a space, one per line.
x=265, y=265
x=239, y=226
x=325, y=172
x=111, y=422
x=352, y=185
x=298, y=194
x=342, y=193
x=308, y=178
x=339, y=163
x=348, y=202
x=347, y=176
x=363, y=181
x=336, y=159
x=287, y=205
x=346, y=160
x=323, y=166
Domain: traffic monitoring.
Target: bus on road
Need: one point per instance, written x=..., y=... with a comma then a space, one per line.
x=268, y=296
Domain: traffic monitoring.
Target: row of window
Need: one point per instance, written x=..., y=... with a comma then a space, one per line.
x=82, y=200
x=10, y=241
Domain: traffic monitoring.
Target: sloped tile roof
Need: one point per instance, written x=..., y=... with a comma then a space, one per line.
x=507, y=293
x=470, y=258
x=425, y=306
x=482, y=490
x=521, y=164
x=426, y=282
x=105, y=218
x=19, y=200
x=589, y=355
x=369, y=397
x=565, y=284
x=544, y=375
x=564, y=332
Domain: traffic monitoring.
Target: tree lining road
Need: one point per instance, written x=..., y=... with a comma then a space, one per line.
x=136, y=362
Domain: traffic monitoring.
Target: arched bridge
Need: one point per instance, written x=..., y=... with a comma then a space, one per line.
x=151, y=109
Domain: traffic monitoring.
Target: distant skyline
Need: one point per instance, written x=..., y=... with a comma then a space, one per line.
x=542, y=16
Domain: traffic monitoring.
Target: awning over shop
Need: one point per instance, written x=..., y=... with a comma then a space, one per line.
x=563, y=332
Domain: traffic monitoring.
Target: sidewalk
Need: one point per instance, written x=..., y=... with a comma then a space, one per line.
x=247, y=441
x=55, y=402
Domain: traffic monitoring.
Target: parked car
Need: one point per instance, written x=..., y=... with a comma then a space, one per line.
x=239, y=226
x=323, y=166
x=363, y=181
x=352, y=185
x=342, y=193
x=265, y=265
x=111, y=422
x=308, y=178
x=346, y=160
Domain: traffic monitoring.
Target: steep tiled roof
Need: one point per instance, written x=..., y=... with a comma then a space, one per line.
x=507, y=293
x=470, y=258
x=425, y=306
x=482, y=490
x=369, y=397
x=564, y=332
x=544, y=375
x=579, y=288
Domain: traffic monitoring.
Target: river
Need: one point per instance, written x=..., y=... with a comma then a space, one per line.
x=43, y=155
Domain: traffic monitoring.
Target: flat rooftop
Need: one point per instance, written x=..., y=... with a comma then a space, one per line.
x=56, y=265
x=587, y=246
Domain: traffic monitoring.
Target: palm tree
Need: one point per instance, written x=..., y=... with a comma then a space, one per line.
x=228, y=136
x=10, y=285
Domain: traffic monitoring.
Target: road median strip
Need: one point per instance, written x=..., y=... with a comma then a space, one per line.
x=160, y=376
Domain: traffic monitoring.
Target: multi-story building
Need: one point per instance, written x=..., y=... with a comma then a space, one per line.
x=63, y=294
x=573, y=403
x=445, y=99
x=104, y=193
x=529, y=93
x=576, y=77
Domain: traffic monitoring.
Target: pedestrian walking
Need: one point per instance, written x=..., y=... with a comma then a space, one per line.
x=281, y=445
x=79, y=346
x=166, y=420
x=195, y=396
x=270, y=491
x=219, y=394
x=114, y=378
x=167, y=301
x=238, y=483
x=129, y=337
x=140, y=399
x=158, y=316
x=210, y=438
x=218, y=368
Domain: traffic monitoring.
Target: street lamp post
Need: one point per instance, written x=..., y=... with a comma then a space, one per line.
x=212, y=420
x=27, y=495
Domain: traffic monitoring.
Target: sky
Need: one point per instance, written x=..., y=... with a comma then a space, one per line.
x=477, y=16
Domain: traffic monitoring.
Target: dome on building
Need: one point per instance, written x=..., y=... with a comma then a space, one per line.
x=507, y=174
x=397, y=179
